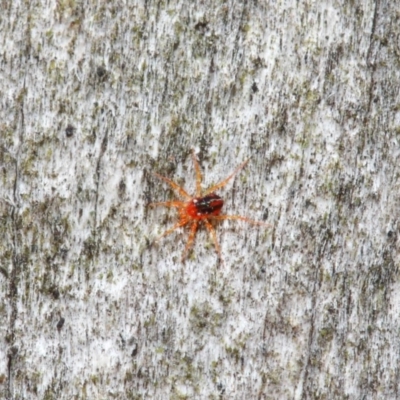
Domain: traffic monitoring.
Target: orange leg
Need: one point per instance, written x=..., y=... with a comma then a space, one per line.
x=189, y=244
x=175, y=227
x=198, y=174
x=240, y=218
x=225, y=181
x=173, y=185
x=167, y=204
x=213, y=235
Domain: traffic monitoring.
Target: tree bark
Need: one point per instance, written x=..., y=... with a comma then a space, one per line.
x=97, y=96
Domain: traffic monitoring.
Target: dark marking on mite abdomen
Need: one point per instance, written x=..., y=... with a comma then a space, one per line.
x=210, y=204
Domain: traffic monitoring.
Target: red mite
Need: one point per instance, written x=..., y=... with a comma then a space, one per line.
x=204, y=207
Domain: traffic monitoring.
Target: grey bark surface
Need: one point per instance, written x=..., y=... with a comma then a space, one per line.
x=97, y=95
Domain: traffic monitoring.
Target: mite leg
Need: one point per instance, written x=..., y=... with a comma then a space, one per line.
x=213, y=235
x=199, y=178
x=240, y=218
x=225, y=181
x=167, y=204
x=189, y=244
x=175, y=227
x=173, y=185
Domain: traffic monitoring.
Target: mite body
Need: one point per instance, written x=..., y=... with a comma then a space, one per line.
x=202, y=208
x=205, y=207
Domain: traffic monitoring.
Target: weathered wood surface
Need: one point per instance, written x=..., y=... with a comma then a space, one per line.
x=96, y=95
